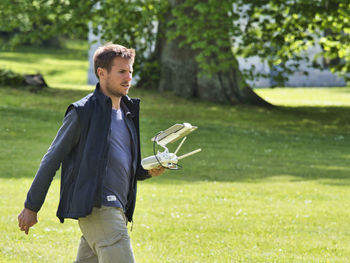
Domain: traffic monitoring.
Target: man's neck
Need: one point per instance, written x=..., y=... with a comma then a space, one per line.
x=115, y=99
x=115, y=102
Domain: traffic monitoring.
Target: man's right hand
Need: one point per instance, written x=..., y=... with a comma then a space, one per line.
x=26, y=219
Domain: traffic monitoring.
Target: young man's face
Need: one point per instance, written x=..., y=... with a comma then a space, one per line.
x=117, y=81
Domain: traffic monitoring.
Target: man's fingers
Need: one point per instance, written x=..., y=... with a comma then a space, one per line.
x=20, y=218
x=25, y=229
x=26, y=220
x=157, y=171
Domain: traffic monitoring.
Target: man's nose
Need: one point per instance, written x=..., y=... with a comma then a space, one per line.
x=129, y=76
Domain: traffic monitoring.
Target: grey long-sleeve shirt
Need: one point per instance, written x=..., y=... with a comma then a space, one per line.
x=116, y=183
x=67, y=137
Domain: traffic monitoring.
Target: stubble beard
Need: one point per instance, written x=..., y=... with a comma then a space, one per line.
x=114, y=92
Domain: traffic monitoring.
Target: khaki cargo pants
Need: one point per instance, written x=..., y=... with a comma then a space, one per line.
x=105, y=237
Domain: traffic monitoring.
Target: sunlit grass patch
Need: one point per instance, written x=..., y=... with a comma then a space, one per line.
x=307, y=96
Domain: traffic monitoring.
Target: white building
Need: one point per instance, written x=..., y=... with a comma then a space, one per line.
x=315, y=77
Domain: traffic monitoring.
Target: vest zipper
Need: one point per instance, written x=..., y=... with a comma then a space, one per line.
x=109, y=102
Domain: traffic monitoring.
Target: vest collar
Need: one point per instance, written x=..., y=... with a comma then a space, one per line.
x=99, y=94
x=126, y=99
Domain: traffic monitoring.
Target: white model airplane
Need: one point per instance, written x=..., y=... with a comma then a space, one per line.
x=165, y=158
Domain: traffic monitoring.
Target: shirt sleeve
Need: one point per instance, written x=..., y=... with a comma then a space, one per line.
x=142, y=174
x=67, y=137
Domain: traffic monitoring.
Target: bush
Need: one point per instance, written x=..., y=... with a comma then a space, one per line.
x=10, y=78
x=33, y=82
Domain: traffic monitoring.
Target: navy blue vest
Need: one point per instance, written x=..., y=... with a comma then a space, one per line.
x=84, y=167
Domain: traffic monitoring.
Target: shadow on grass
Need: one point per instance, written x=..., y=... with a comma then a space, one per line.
x=305, y=143
x=327, y=175
x=240, y=144
x=337, y=116
x=21, y=94
x=34, y=54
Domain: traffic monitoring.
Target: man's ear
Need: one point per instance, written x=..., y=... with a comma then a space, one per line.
x=100, y=72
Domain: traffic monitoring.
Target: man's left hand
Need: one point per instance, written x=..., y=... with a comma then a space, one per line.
x=156, y=171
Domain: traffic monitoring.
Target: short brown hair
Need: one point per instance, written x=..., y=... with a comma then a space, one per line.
x=105, y=54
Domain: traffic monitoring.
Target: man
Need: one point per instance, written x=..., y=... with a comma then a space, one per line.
x=99, y=148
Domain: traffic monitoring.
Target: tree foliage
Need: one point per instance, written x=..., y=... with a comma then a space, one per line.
x=130, y=23
x=277, y=31
x=32, y=21
x=280, y=31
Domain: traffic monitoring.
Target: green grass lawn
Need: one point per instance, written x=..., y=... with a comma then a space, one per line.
x=271, y=185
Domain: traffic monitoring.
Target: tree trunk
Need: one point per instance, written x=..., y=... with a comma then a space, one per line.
x=181, y=73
